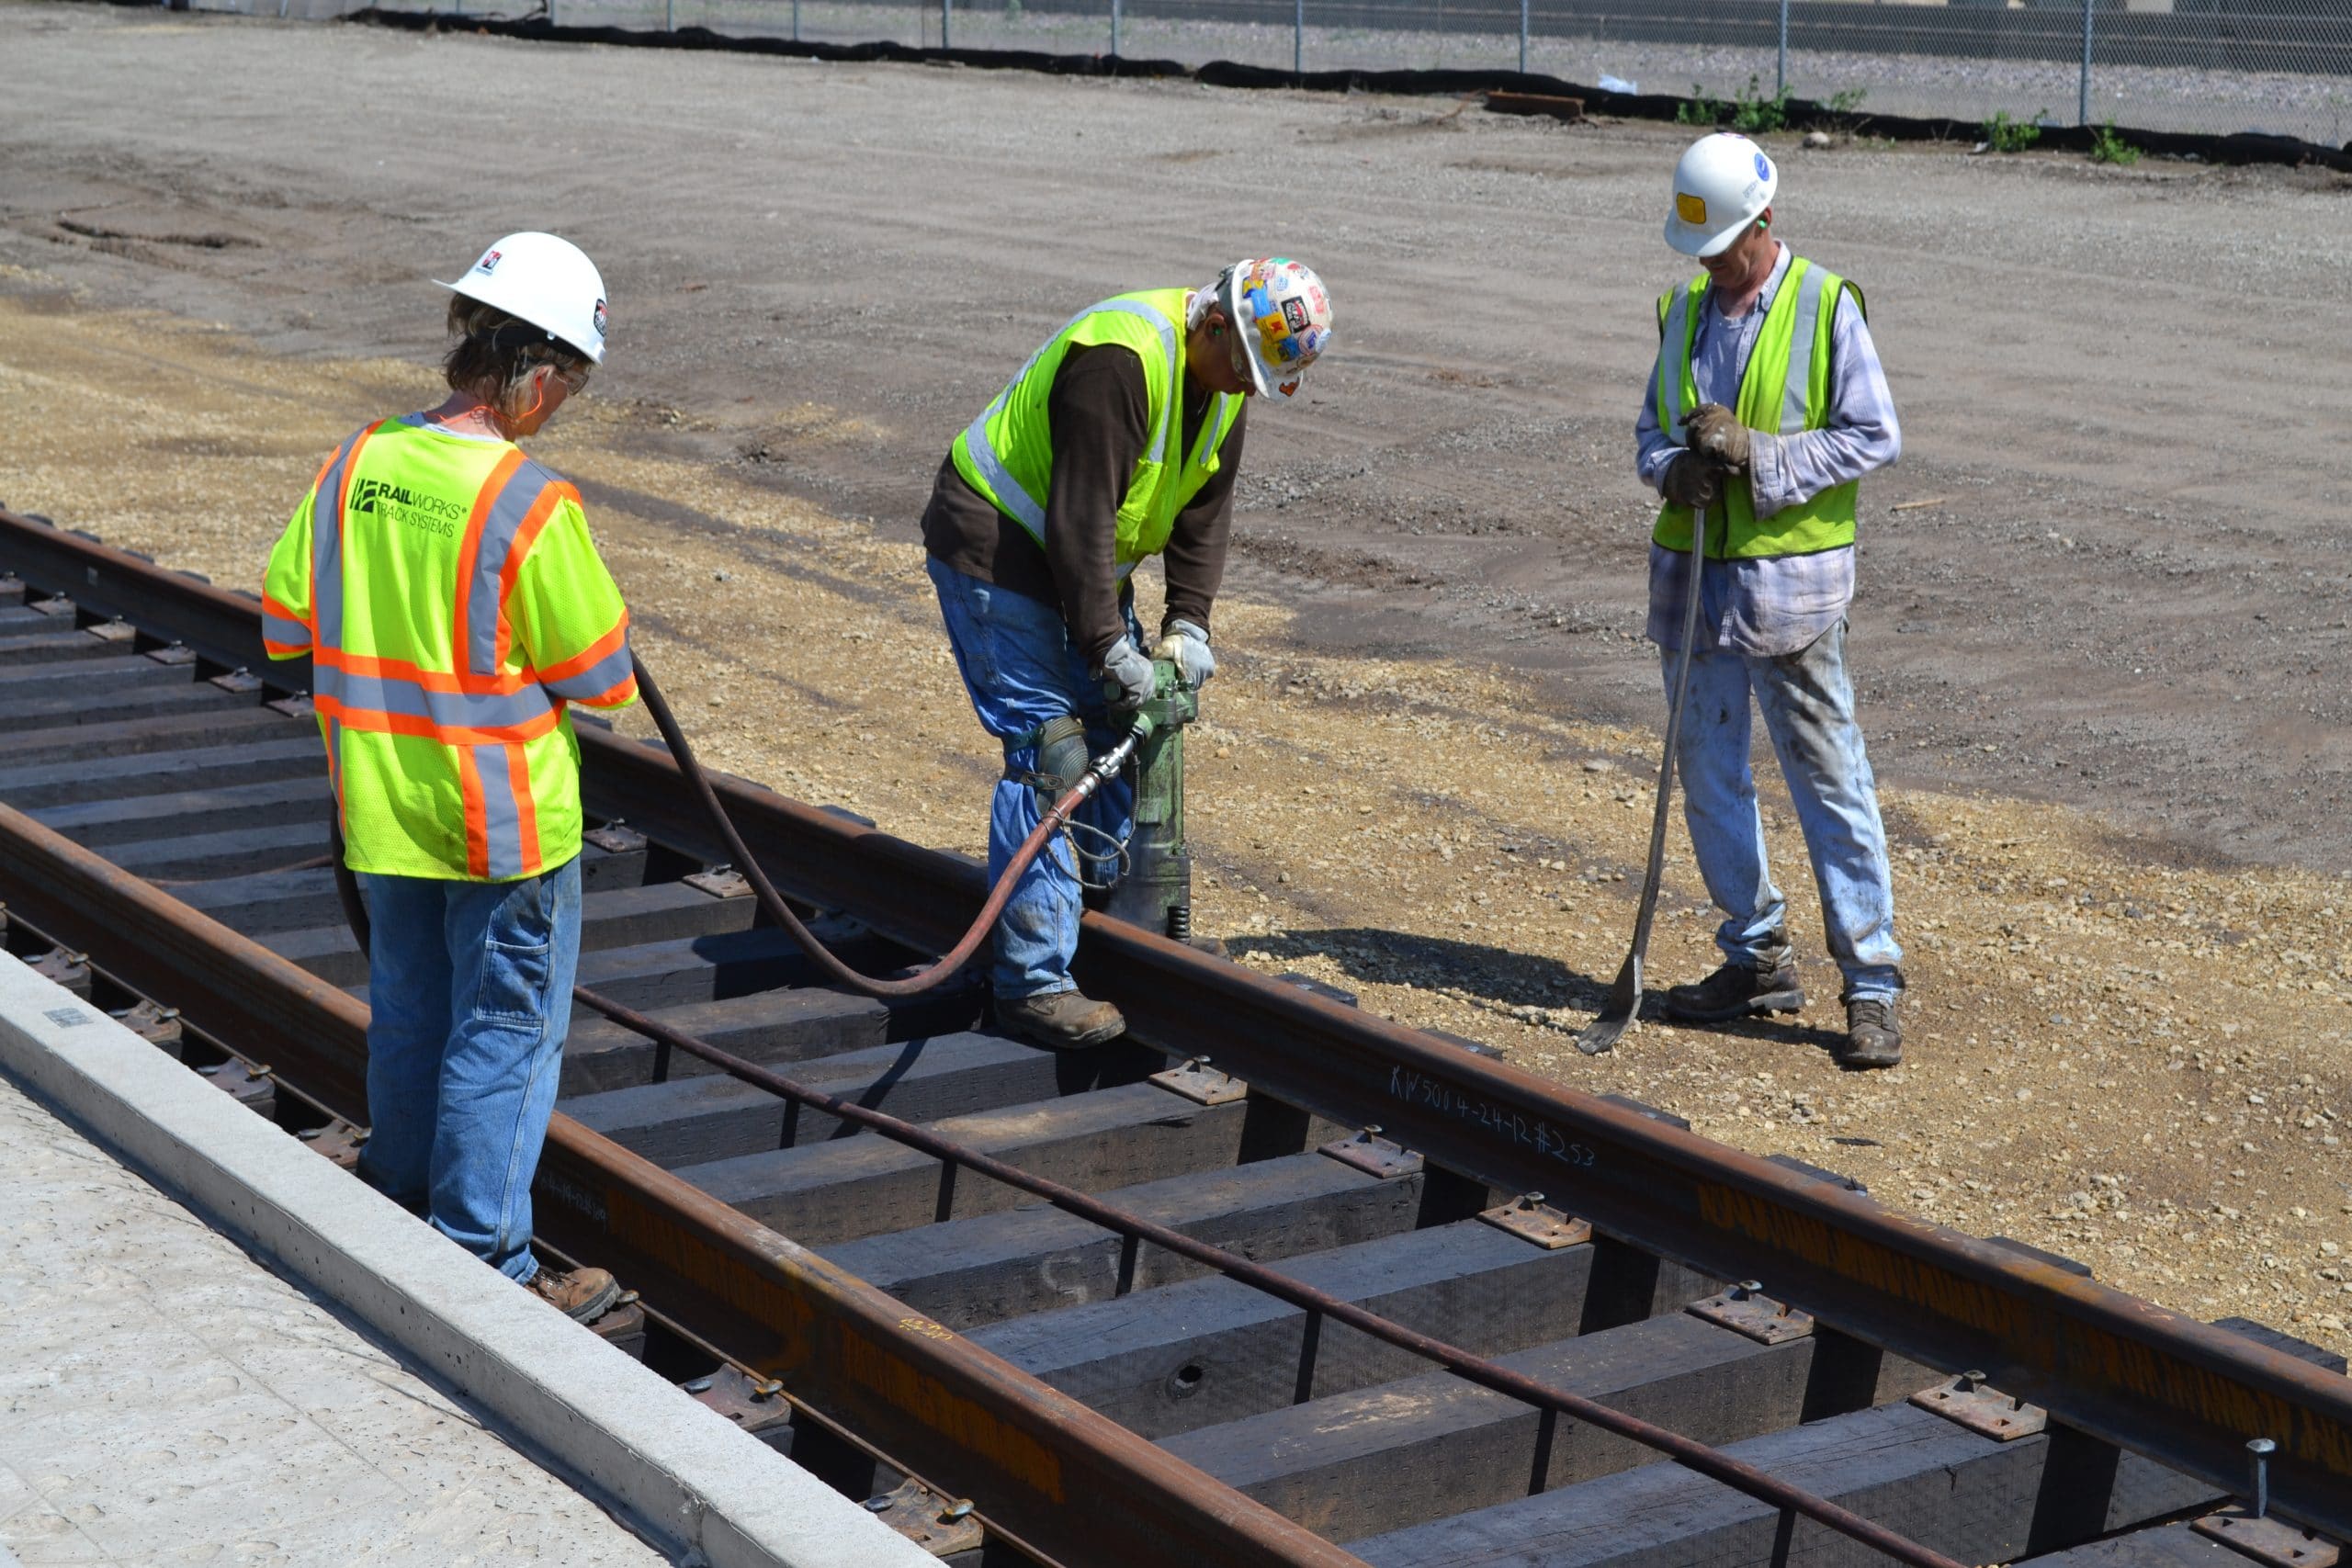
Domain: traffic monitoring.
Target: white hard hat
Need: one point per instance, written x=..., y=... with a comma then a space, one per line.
x=1720, y=186
x=547, y=281
x=1279, y=308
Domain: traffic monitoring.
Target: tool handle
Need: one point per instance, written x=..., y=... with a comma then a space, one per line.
x=1655, y=871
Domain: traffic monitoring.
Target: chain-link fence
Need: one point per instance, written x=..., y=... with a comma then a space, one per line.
x=2279, y=66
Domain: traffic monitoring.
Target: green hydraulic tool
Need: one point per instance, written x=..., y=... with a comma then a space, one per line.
x=1156, y=892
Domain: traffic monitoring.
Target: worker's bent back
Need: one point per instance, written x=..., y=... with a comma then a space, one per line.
x=452, y=603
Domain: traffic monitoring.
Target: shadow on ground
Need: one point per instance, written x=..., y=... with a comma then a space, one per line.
x=1498, y=979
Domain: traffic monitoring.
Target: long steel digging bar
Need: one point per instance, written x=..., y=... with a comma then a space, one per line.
x=1624, y=1004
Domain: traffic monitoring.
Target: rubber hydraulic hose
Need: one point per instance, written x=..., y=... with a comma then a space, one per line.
x=354, y=911
x=1103, y=769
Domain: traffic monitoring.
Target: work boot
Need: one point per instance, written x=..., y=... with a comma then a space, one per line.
x=582, y=1295
x=1874, y=1039
x=1061, y=1020
x=1740, y=987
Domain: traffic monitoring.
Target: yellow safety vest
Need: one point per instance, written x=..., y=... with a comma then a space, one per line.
x=1006, y=454
x=1785, y=390
x=452, y=603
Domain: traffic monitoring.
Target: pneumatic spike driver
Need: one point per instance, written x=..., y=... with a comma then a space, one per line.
x=1156, y=890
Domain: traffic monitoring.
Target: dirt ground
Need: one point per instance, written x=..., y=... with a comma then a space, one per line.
x=2098, y=647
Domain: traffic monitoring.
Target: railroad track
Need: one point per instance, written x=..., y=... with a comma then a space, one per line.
x=922, y=1333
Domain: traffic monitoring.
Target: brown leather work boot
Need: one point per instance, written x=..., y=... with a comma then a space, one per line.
x=1874, y=1038
x=1737, y=990
x=584, y=1296
x=1061, y=1020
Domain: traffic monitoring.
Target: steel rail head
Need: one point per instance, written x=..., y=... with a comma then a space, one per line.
x=2135, y=1375
x=1702, y=1457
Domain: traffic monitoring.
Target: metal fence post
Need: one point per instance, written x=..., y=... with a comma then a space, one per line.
x=796, y=19
x=2083, y=93
x=1299, y=40
x=1782, y=88
x=1522, y=37
x=669, y=16
x=1114, y=27
x=947, y=10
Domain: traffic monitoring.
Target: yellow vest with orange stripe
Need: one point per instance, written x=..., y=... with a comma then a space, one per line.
x=452, y=603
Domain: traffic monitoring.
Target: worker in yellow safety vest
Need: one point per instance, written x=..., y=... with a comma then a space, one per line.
x=1116, y=441
x=453, y=606
x=1766, y=407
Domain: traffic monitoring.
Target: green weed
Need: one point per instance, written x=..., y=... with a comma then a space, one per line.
x=2003, y=134
x=1751, y=113
x=1697, y=109
x=2109, y=147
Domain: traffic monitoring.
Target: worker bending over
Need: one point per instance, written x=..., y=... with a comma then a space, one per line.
x=452, y=603
x=1766, y=405
x=1116, y=441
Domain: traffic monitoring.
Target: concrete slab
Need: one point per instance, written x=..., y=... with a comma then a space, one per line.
x=165, y=1399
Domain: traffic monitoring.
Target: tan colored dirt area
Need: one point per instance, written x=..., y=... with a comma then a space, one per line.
x=2141, y=1066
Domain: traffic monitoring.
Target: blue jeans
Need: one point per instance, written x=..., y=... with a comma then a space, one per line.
x=471, y=988
x=1019, y=666
x=1808, y=707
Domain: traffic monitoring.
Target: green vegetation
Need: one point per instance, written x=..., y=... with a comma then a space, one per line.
x=1847, y=102
x=1754, y=114
x=2107, y=146
x=2003, y=134
x=1750, y=114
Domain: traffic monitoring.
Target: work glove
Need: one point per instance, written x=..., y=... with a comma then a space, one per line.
x=1125, y=668
x=1187, y=647
x=1714, y=433
x=1690, y=481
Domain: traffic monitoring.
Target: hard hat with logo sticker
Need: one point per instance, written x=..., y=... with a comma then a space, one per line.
x=547, y=281
x=1722, y=184
x=1283, y=316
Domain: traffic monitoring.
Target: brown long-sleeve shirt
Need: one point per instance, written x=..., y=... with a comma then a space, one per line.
x=1099, y=411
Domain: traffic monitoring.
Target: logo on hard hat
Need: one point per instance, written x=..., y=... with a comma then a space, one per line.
x=1763, y=167
x=599, y=318
x=1690, y=209
x=489, y=262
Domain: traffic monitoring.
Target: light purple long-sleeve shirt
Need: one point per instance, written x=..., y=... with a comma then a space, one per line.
x=1777, y=604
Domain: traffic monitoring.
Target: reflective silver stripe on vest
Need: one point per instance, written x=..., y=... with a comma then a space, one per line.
x=993, y=473
x=285, y=633
x=520, y=493
x=1673, y=355
x=362, y=694
x=327, y=550
x=502, y=816
x=1797, y=393
x=597, y=679
x=1008, y=491
x=1211, y=423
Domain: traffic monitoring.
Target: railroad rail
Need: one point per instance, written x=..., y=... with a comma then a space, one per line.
x=915, y=1334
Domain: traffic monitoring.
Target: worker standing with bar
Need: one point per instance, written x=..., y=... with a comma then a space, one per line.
x=1116, y=441
x=1766, y=405
x=452, y=605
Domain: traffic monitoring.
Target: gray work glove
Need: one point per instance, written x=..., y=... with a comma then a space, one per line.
x=1187, y=647
x=1690, y=481
x=1714, y=433
x=1125, y=668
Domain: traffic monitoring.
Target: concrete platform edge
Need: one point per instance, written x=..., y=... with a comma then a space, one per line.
x=692, y=1481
